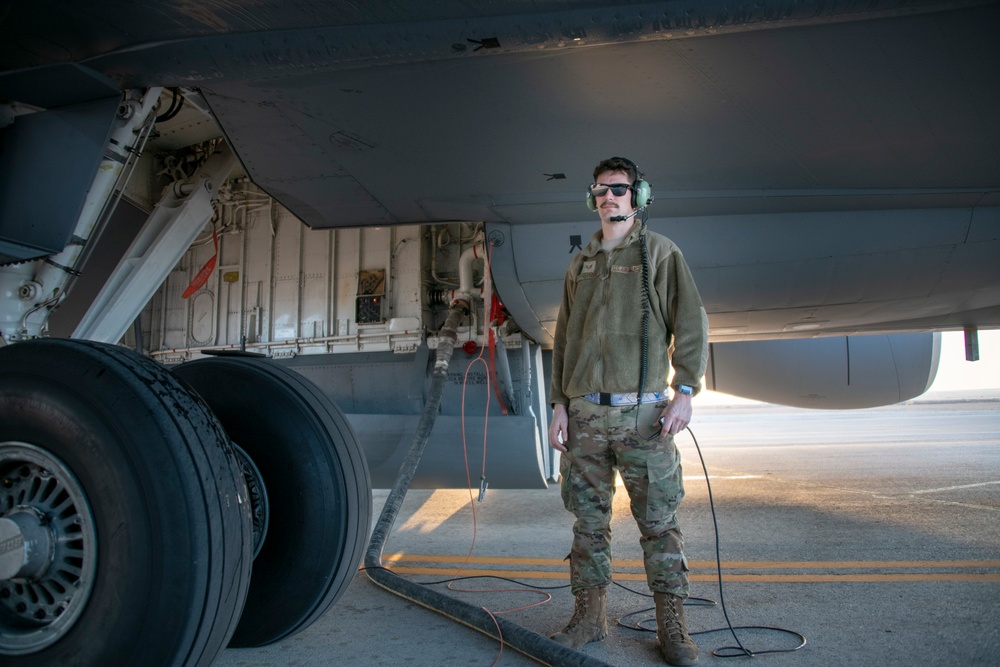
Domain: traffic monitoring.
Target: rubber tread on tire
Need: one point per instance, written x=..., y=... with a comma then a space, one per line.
x=173, y=528
x=318, y=489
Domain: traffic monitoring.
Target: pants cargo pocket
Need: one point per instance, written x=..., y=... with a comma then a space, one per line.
x=666, y=483
x=566, y=482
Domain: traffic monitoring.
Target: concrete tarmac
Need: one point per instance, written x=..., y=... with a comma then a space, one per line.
x=874, y=534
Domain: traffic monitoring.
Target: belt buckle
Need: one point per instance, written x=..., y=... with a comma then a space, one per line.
x=618, y=400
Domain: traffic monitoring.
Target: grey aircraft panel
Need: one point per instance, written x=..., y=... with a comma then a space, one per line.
x=818, y=162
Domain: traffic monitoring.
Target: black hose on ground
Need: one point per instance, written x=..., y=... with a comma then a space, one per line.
x=531, y=644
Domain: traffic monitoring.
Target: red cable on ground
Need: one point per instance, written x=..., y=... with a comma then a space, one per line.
x=472, y=503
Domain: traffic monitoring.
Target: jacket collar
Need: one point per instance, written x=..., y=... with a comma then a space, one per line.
x=595, y=241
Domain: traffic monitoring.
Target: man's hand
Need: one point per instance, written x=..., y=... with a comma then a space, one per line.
x=559, y=428
x=676, y=416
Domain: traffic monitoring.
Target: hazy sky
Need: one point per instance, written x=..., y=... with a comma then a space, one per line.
x=957, y=373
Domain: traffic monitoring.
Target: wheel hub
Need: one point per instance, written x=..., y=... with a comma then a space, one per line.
x=48, y=548
x=26, y=545
x=260, y=509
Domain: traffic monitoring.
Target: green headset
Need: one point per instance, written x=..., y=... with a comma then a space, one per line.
x=642, y=193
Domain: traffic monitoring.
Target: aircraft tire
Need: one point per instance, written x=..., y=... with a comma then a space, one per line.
x=133, y=477
x=317, y=484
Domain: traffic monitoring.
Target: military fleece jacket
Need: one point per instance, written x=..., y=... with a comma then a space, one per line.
x=598, y=341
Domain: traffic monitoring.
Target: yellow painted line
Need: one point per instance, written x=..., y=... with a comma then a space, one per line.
x=483, y=560
x=558, y=569
x=469, y=572
x=836, y=565
x=749, y=578
x=838, y=578
x=704, y=564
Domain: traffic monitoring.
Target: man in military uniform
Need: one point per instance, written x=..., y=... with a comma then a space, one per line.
x=613, y=351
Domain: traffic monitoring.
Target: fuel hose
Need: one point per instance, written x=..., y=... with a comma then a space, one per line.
x=530, y=643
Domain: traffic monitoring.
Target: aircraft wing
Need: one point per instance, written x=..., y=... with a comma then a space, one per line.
x=828, y=169
x=825, y=168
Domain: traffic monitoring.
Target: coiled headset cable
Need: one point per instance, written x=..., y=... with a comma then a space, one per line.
x=724, y=651
x=646, y=310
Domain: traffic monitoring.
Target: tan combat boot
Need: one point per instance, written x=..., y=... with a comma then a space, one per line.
x=589, y=622
x=677, y=646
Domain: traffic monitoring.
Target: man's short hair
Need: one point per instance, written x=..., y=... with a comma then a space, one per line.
x=617, y=164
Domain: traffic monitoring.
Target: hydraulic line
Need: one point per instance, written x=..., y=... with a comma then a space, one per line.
x=532, y=644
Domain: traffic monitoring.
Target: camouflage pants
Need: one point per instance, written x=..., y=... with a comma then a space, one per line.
x=601, y=440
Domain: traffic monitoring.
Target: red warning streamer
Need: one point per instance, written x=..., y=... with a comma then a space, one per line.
x=202, y=277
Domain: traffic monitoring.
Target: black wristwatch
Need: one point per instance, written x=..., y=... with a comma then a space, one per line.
x=687, y=390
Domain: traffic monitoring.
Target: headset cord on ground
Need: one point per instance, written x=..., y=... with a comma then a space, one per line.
x=722, y=652
x=718, y=551
x=725, y=651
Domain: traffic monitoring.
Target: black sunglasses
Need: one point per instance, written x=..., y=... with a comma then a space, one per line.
x=617, y=189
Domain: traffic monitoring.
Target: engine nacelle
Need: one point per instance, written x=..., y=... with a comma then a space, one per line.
x=842, y=372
